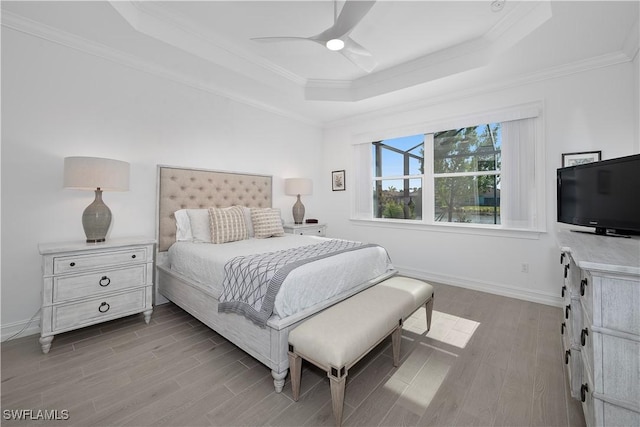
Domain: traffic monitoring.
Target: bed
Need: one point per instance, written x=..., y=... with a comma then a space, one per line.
x=179, y=281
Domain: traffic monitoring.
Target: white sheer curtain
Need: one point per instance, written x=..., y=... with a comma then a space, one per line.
x=362, y=199
x=518, y=195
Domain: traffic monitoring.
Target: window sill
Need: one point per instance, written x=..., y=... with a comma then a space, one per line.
x=457, y=228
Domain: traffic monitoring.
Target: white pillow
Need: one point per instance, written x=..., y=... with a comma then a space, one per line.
x=194, y=224
x=200, y=227
x=183, y=226
x=266, y=223
x=247, y=219
x=227, y=224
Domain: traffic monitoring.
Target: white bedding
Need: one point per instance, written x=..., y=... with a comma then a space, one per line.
x=303, y=287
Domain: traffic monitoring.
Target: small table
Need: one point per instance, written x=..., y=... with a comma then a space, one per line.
x=89, y=283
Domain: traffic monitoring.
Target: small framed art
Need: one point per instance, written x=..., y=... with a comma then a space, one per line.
x=337, y=181
x=572, y=159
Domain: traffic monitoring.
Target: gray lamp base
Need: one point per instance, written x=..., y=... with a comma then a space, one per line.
x=298, y=211
x=96, y=220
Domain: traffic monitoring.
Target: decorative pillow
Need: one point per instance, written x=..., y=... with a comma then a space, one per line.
x=200, y=225
x=183, y=226
x=227, y=224
x=247, y=220
x=266, y=222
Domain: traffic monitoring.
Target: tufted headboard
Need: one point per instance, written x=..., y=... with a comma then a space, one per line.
x=186, y=188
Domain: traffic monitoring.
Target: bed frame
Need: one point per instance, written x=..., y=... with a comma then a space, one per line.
x=184, y=188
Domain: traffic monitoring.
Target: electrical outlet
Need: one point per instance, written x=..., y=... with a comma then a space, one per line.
x=524, y=267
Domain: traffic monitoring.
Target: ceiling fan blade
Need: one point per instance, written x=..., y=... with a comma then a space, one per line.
x=281, y=39
x=355, y=47
x=352, y=13
x=359, y=56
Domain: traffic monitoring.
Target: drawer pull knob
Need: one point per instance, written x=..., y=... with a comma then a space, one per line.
x=566, y=356
x=566, y=269
x=583, y=284
x=564, y=289
x=583, y=392
x=104, y=307
x=133, y=256
x=73, y=264
x=583, y=336
x=564, y=325
x=566, y=311
x=562, y=258
x=105, y=281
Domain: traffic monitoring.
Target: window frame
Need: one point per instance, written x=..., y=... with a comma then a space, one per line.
x=529, y=110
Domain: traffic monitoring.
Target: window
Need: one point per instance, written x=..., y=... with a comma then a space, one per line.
x=466, y=174
x=482, y=174
x=398, y=168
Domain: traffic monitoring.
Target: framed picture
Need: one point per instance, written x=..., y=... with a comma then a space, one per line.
x=572, y=159
x=337, y=180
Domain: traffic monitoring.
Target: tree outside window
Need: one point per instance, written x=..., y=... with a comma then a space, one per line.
x=466, y=175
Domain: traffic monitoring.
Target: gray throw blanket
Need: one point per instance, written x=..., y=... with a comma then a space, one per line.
x=251, y=282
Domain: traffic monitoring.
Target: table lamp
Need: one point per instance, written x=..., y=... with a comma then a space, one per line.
x=298, y=187
x=98, y=174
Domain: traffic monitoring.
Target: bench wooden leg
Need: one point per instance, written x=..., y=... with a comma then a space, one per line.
x=429, y=308
x=295, y=369
x=337, y=397
x=396, y=339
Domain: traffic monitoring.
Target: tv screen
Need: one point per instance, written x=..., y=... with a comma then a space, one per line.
x=604, y=195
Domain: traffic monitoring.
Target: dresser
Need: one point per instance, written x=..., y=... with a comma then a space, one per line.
x=89, y=283
x=306, y=229
x=600, y=329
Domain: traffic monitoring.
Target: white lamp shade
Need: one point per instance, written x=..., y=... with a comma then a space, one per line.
x=295, y=186
x=89, y=173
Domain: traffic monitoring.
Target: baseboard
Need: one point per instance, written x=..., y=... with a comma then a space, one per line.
x=492, y=288
x=10, y=329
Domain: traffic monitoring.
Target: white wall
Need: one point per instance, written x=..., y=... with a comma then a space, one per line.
x=59, y=102
x=592, y=110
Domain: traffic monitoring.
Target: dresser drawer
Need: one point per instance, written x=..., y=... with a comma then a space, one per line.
x=573, y=318
x=618, y=376
x=619, y=306
x=96, y=310
x=586, y=396
x=86, y=285
x=586, y=293
x=573, y=360
x=71, y=263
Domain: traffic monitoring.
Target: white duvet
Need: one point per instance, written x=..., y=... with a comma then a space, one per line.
x=303, y=287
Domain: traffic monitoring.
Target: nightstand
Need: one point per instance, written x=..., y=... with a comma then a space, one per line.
x=89, y=283
x=306, y=229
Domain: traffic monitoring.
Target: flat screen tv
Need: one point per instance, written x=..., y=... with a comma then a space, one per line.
x=604, y=195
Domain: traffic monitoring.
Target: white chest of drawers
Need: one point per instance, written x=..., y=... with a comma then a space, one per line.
x=601, y=330
x=306, y=229
x=89, y=283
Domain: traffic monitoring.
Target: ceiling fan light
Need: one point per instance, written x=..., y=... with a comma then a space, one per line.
x=335, y=44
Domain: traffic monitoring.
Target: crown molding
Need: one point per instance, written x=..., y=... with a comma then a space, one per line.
x=602, y=61
x=42, y=31
x=156, y=21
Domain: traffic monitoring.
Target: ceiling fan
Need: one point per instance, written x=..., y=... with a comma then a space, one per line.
x=336, y=38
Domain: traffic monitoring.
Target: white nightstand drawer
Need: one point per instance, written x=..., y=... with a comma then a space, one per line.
x=306, y=229
x=85, y=285
x=97, y=309
x=71, y=263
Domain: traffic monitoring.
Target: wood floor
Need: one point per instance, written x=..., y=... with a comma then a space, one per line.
x=488, y=360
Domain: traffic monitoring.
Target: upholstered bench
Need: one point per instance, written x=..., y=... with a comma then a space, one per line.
x=338, y=337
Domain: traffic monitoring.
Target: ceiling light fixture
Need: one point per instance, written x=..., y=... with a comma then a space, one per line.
x=335, y=44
